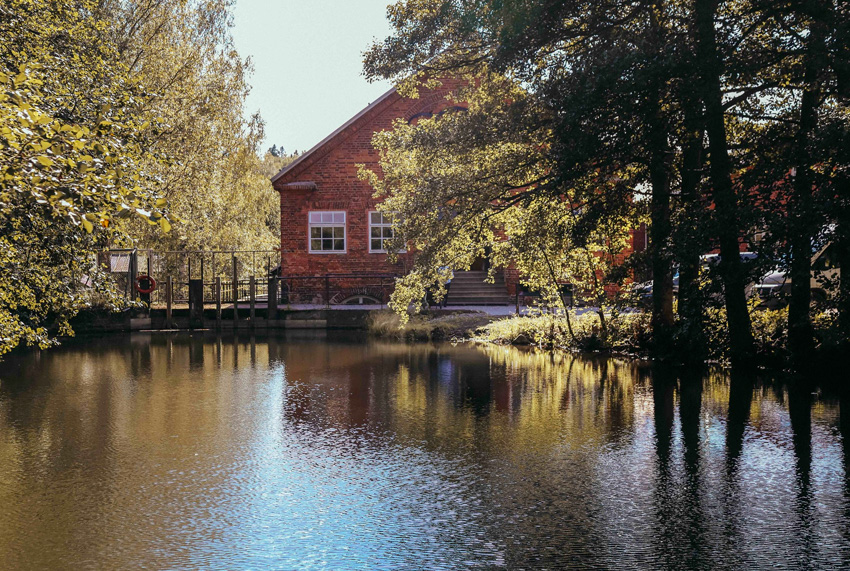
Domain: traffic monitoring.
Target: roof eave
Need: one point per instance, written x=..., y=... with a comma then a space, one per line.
x=333, y=135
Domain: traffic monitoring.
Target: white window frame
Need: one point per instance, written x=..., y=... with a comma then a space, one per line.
x=327, y=219
x=381, y=225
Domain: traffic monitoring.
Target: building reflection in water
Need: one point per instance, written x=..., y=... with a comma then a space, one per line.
x=299, y=449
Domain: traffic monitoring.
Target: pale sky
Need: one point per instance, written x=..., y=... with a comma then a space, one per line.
x=307, y=57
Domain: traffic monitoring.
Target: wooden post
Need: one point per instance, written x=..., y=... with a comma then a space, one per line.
x=272, y=301
x=133, y=274
x=327, y=290
x=218, y=301
x=150, y=295
x=196, y=303
x=252, y=296
x=235, y=293
x=169, y=289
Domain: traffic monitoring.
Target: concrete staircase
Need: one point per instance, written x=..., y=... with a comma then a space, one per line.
x=469, y=288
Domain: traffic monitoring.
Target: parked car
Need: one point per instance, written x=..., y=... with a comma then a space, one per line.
x=775, y=286
x=643, y=290
x=714, y=259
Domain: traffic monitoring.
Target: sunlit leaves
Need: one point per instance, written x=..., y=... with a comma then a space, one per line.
x=72, y=168
x=214, y=180
x=73, y=158
x=482, y=183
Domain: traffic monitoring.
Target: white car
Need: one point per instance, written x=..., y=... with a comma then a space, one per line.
x=774, y=286
x=644, y=289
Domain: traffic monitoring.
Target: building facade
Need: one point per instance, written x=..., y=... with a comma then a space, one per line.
x=328, y=217
x=329, y=222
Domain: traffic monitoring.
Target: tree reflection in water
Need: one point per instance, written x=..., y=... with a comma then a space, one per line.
x=318, y=450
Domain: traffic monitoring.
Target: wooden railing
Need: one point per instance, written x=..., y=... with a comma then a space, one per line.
x=326, y=289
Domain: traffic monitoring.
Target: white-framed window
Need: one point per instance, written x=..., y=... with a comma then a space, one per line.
x=380, y=230
x=327, y=232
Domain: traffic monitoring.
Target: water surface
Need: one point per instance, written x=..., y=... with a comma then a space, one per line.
x=335, y=452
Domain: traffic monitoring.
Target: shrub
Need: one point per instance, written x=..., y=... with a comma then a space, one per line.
x=626, y=332
x=631, y=333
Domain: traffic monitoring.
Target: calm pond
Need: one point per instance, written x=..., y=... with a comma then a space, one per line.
x=321, y=451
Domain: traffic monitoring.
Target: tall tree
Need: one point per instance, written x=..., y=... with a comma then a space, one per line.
x=838, y=134
x=73, y=162
x=183, y=52
x=601, y=71
x=711, y=68
x=803, y=222
x=660, y=174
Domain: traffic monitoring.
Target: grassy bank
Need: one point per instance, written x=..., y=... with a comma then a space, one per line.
x=428, y=326
x=621, y=333
x=630, y=333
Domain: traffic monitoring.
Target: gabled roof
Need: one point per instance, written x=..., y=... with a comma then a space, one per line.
x=324, y=145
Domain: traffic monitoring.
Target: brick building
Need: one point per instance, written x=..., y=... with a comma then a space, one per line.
x=329, y=224
x=328, y=220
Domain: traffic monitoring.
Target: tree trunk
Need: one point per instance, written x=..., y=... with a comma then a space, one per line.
x=803, y=219
x=843, y=259
x=741, y=347
x=842, y=226
x=688, y=240
x=661, y=260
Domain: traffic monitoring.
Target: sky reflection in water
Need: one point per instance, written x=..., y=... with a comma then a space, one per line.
x=331, y=452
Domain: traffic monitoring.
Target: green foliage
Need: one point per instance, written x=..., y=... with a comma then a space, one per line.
x=215, y=178
x=73, y=164
x=610, y=115
x=84, y=175
x=466, y=184
x=119, y=121
x=630, y=333
x=580, y=331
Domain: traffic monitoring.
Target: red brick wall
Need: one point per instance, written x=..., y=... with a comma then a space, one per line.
x=333, y=169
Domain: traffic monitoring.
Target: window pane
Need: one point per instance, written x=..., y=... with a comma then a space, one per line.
x=375, y=217
x=315, y=217
x=377, y=245
x=327, y=244
x=339, y=232
x=315, y=245
x=315, y=232
x=339, y=245
x=327, y=232
x=339, y=217
x=388, y=232
x=375, y=232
